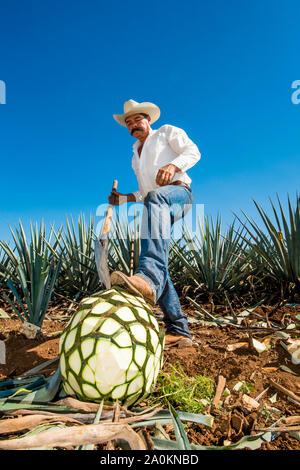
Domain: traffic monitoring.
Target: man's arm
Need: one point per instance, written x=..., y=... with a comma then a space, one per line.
x=165, y=174
x=116, y=198
x=187, y=152
x=187, y=155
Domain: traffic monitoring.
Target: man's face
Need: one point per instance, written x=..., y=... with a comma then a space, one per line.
x=138, y=126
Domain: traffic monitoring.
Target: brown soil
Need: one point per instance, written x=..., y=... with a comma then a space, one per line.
x=209, y=355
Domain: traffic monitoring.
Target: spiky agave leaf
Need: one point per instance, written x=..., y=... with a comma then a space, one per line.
x=181, y=437
x=5, y=267
x=212, y=259
x=179, y=273
x=120, y=244
x=111, y=349
x=278, y=242
x=34, y=271
x=75, y=248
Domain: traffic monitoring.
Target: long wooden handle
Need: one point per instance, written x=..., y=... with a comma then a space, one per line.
x=109, y=213
x=132, y=254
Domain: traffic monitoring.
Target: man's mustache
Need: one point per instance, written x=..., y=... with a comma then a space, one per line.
x=136, y=129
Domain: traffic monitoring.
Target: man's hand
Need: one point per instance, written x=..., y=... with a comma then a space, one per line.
x=166, y=173
x=116, y=198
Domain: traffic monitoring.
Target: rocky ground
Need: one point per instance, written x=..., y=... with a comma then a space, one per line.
x=226, y=352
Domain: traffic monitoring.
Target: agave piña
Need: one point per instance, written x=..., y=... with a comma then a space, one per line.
x=111, y=349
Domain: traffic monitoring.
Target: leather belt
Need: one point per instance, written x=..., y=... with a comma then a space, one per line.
x=181, y=183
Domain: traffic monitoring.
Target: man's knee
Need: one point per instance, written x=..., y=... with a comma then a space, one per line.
x=152, y=196
x=158, y=196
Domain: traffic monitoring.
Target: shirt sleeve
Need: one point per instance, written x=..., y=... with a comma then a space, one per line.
x=138, y=196
x=188, y=152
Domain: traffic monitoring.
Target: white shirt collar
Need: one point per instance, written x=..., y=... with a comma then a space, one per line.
x=137, y=143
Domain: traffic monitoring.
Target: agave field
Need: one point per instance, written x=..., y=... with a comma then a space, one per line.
x=82, y=368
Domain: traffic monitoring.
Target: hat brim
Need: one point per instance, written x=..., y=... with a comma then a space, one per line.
x=147, y=108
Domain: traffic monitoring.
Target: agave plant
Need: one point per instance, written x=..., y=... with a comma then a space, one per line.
x=277, y=244
x=4, y=267
x=75, y=248
x=124, y=245
x=32, y=273
x=213, y=261
x=177, y=267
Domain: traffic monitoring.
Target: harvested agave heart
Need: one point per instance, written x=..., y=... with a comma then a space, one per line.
x=111, y=349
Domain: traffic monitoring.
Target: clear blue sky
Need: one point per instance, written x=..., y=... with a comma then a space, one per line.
x=220, y=70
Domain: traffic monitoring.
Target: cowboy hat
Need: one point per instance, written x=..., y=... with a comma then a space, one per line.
x=133, y=107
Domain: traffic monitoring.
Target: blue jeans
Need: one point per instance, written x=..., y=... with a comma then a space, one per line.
x=163, y=207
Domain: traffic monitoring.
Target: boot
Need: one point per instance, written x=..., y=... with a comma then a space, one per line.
x=179, y=341
x=134, y=284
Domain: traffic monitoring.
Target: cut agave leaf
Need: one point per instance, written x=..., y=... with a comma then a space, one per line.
x=42, y=394
x=165, y=417
x=247, y=442
x=96, y=421
x=181, y=437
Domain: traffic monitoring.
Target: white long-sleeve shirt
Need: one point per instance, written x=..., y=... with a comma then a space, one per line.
x=168, y=144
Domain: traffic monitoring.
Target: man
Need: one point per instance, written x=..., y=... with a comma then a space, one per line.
x=161, y=158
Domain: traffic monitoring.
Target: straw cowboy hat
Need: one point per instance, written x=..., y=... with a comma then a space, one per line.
x=133, y=107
